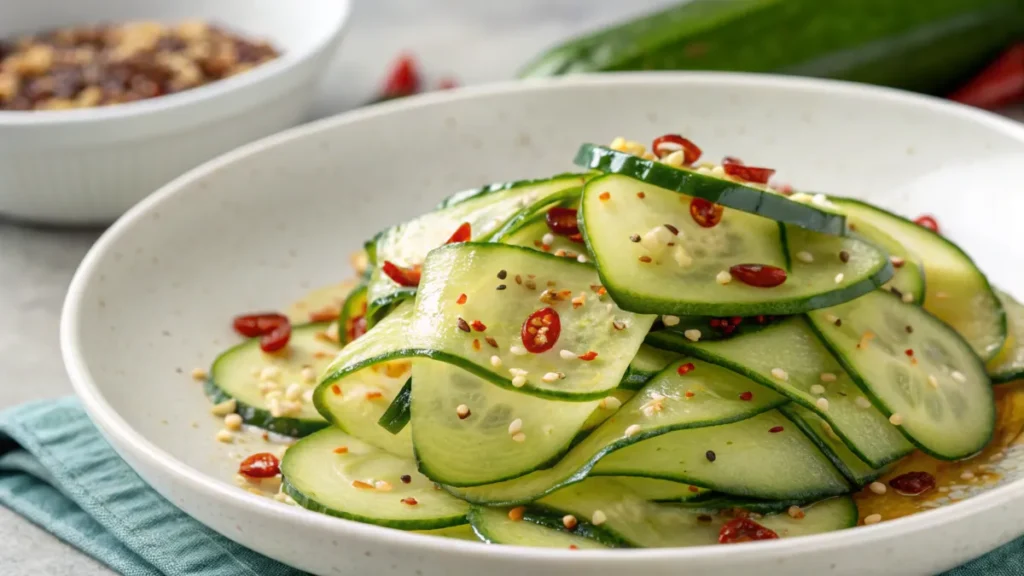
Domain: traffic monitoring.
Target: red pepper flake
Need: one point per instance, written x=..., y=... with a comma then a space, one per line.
x=341, y=450
x=476, y=344
x=641, y=195
x=260, y=465
x=685, y=368
x=273, y=329
x=362, y=485
x=747, y=396
x=325, y=314
x=336, y=389
x=689, y=394
x=776, y=429
x=913, y=483
x=540, y=330
x=605, y=196
x=373, y=395
x=748, y=173
x=706, y=214
x=462, y=234
x=355, y=327
x=409, y=277
x=462, y=324
x=573, y=547
x=461, y=299
x=577, y=238
x=744, y=530
x=669, y=143
x=562, y=221
x=403, y=79
x=516, y=514
x=478, y=326
x=409, y=501
x=645, y=259
x=758, y=275
x=405, y=478
x=694, y=489
x=590, y=355
x=909, y=351
x=929, y=222
x=491, y=342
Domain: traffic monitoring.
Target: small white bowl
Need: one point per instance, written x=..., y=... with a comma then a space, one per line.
x=88, y=166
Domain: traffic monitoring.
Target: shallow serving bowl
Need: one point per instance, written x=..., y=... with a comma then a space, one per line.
x=88, y=166
x=256, y=228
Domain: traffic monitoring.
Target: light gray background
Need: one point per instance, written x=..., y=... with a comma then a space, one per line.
x=471, y=40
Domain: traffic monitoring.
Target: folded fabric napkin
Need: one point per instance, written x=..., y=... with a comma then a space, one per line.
x=57, y=471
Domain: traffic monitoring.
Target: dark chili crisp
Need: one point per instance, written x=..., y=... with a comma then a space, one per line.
x=913, y=483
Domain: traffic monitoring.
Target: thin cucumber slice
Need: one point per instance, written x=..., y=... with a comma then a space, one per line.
x=656, y=490
x=705, y=328
x=321, y=479
x=251, y=378
x=606, y=408
x=460, y=532
x=475, y=193
x=493, y=525
x=530, y=223
x=744, y=196
x=659, y=408
x=938, y=394
x=956, y=291
x=330, y=297
x=352, y=320
x=858, y=472
x=649, y=525
x=533, y=234
x=485, y=446
x=909, y=277
x=788, y=357
x=408, y=244
x=750, y=460
x=1008, y=365
x=647, y=363
x=648, y=268
x=397, y=415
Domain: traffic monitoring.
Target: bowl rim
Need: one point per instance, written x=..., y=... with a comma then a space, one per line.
x=262, y=74
x=108, y=420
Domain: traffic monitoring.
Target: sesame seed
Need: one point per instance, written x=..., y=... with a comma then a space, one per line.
x=672, y=229
x=567, y=354
x=548, y=239
x=269, y=373
x=405, y=478
x=598, y=518
x=933, y=381
x=862, y=402
x=569, y=521
x=878, y=488
x=382, y=485
x=907, y=297
x=967, y=475
x=618, y=325
x=831, y=318
x=496, y=361
x=225, y=436
x=780, y=374
x=817, y=389
x=517, y=350
x=341, y=450
x=669, y=320
x=710, y=455
x=827, y=377
x=463, y=411
x=723, y=277
x=645, y=259
x=822, y=404
x=500, y=287
x=610, y=403
x=462, y=324
x=872, y=519
x=896, y=419
x=692, y=334
x=552, y=377
x=909, y=329
x=634, y=238
x=582, y=259
x=958, y=376
x=224, y=408
x=502, y=274
x=805, y=256
x=308, y=374
x=233, y=422
x=844, y=256
x=199, y=374
x=293, y=392
x=519, y=381
x=839, y=277
x=520, y=437
x=632, y=430
x=491, y=342
x=516, y=426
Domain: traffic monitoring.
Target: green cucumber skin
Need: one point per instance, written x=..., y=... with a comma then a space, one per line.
x=928, y=47
x=855, y=480
x=552, y=518
x=464, y=195
x=310, y=504
x=718, y=190
x=353, y=307
x=397, y=416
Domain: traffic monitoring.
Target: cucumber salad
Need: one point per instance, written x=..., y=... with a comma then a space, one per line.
x=655, y=351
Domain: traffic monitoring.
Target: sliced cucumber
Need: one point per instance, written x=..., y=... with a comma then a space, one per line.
x=909, y=277
x=485, y=446
x=716, y=397
x=352, y=320
x=494, y=526
x=788, y=357
x=529, y=225
x=460, y=532
x=915, y=369
x=660, y=490
x=750, y=460
x=858, y=472
x=397, y=415
x=647, y=363
x=649, y=525
x=408, y=244
x=475, y=193
x=604, y=411
x=329, y=297
x=239, y=373
x=956, y=290
x=726, y=191
x=345, y=485
x=1008, y=365
x=647, y=268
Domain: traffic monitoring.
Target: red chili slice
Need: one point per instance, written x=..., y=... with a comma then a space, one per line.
x=403, y=79
x=462, y=234
x=252, y=325
x=731, y=160
x=402, y=276
x=669, y=143
x=998, y=85
x=758, y=275
x=749, y=173
x=705, y=213
x=913, y=483
x=261, y=465
x=744, y=530
x=355, y=328
x=929, y=222
x=276, y=339
x=541, y=330
x=563, y=221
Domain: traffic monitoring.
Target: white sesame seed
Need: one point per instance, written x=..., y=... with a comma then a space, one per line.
x=896, y=419
x=517, y=350
x=907, y=297
x=293, y=392
x=274, y=394
x=839, y=278
x=703, y=170
x=225, y=436
x=958, y=376
x=822, y=404
x=548, y=239
x=268, y=387
x=669, y=320
x=674, y=159
x=568, y=355
x=692, y=334
x=519, y=381
x=967, y=475
x=805, y=256
x=516, y=426
x=582, y=259
x=827, y=377
x=780, y=374
x=718, y=170
x=547, y=429
x=308, y=374
x=817, y=389
x=551, y=377
x=233, y=422
x=872, y=519
x=307, y=396
x=862, y=402
x=598, y=518
x=496, y=361
x=878, y=488
x=517, y=372
x=933, y=381
x=519, y=437
x=224, y=408
x=199, y=374
x=610, y=403
x=462, y=411
x=723, y=277
x=632, y=430
x=819, y=200
x=269, y=373
x=831, y=318
x=382, y=485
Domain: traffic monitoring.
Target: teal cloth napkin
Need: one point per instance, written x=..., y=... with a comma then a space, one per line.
x=57, y=471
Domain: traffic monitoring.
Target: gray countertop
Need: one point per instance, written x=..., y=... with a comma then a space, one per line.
x=470, y=40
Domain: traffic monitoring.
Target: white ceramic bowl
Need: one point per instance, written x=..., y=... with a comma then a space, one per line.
x=257, y=227
x=88, y=166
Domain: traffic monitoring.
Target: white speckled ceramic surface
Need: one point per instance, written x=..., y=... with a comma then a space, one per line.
x=257, y=228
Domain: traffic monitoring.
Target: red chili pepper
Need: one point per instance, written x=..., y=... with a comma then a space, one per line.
x=748, y=173
x=913, y=483
x=998, y=85
x=669, y=143
x=705, y=213
x=747, y=396
x=356, y=327
x=541, y=330
x=758, y=275
x=402, y=276
x=252, y=325
x=563, y=221
x=403, y=79
x=276, y=339
x=461, y=234
x=261, y=465
x=744, y=530
x=928, y=222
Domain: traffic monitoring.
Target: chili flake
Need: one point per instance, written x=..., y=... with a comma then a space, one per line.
x=588, y=356
x=685, y=368
x=744, y=530
x=405, y=478
x=336, y=389
x=410, y=501
x=341, y=450
x=478, y=326
x=747, y=396
x=476, y=344
x=260, y=465
x=776, y=429
x=516, y=514
x=605, y=196
x=641, y=195
x=645, y=259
